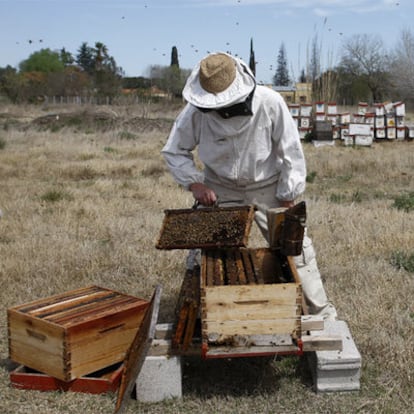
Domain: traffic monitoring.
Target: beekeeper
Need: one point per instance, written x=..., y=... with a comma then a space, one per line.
x=250, y=149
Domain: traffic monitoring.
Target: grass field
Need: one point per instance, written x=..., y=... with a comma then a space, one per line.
x=82, y=193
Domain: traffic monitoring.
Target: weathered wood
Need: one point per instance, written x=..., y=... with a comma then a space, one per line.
x=219, y=277
x=188, y=305
x=224, y=331
x=241, y=274
x=137, y=352
x=232, y=351
x=262, y=311
x=321, y=343
x=312, y=323
x=247, y=263
x=275, y=218
x=209, y=269
x=281, y=339
x=257, y=258
x=293, y=230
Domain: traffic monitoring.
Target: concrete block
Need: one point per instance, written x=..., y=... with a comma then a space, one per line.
x=336, y=370
x=159, y=379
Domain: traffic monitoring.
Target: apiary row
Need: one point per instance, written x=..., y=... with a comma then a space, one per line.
x=386, y=121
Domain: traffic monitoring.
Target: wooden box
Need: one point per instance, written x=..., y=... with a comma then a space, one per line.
x=99, y=382
x=249, y=297
x=75, y=333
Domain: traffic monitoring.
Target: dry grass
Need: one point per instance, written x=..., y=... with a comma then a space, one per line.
x=85, y=207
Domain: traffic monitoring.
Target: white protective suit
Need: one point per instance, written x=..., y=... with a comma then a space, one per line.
x=254, y=159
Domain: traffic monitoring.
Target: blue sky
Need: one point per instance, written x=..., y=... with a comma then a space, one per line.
x=141, y=33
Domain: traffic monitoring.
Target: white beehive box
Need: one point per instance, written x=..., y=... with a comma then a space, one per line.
x=391, y=132
x=380, y=133
x=306, y=110
x=399, y=108
x=379, y=121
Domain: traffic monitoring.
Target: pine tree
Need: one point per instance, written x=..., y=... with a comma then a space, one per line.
x=174, y=57
x=281, y=77
x=252, y=61
x=85, y=58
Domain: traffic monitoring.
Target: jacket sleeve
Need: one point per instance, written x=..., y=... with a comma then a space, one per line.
x=292, y=180
x=178, y=150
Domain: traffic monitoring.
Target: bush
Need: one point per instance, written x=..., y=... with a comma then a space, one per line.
x=405, y=202
x=402, y=260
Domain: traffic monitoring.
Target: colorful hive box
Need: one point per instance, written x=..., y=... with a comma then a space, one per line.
x=100, y=382
x=75, y=333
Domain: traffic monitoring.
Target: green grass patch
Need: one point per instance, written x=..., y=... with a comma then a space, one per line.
x=310, y=178
x=127, y=135
x=402, y=260
x=337, y=198
x=404, y=202
x=54, y=196
x=2, y=143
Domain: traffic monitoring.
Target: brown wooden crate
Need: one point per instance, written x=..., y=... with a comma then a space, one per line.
x=75, y=333
x=268, y=303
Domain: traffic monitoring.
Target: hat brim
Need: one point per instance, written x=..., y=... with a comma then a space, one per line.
x=240, y=89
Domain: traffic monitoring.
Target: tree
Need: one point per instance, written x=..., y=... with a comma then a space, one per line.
x=315, y=60
x=101, y=67
x=85, y=58
x=174, y=57
x=402, y=67
x=10, y=83
x=66, y=57
x=281, y=77
x=364, y=59
x=44, y=61
x=169, y=78
x=252, y=60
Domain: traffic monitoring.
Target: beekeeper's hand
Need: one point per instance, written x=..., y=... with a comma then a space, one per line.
x=203, y=194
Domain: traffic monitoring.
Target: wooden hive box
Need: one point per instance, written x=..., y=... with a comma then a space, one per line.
x=75, y=333
x=249, y=297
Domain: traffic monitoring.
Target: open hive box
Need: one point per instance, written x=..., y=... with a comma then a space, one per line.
x=75, y=333
x=251, y=302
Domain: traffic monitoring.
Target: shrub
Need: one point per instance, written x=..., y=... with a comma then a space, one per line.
x=404, y=202
x=403, y=261
x=310, y=178
x=54, y=196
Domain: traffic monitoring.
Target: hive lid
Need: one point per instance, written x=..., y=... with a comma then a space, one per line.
x=208, y=227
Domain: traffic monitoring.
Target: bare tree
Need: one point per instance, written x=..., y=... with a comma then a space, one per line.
x=364, y=59
x=402, y=66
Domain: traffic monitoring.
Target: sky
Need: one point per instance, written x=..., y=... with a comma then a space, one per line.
x=142, y=33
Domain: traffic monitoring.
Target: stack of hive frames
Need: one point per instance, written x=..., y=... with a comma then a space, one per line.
x=187, y=310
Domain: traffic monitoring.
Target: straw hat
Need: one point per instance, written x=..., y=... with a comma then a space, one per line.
x=219, y=80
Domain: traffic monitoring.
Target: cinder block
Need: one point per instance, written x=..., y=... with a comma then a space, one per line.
x=159, y=379
x=336, y=370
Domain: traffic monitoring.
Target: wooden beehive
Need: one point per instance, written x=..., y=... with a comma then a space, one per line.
x=74, y=333
x=249, y=297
